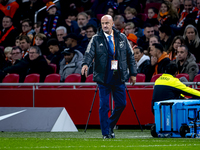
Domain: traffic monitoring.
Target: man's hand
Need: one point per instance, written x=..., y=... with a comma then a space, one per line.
x=84, y=70
x=153, y=60
x=132, y=80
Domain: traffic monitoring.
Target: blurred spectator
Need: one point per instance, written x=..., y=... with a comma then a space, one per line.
x=8, y=33
x=17, y=42
x=153, y=39
x=123, y=4
x=144, y=40
x=25, y=44
x=143, y=62
x=129, y=28
x=3, y=62
x=37, y=29
x=119, y=23
x=172, y=51
x=186, y=62
x=192, y=41
x=130, y=15
x=112, y=12
x=189, y=7
x=159, y=60
x=27, y=10
x=91, y=18
x=34, y=62
x=83, y=32
x=9, y=7
x=90, y=31
x=166, y=37
x=167, y=14
x=152, y=13
x=41, y=42
x=61, y=32
x=7, y=52
x=82, y=20
x=16, y=54
x=27, y=28
x=71, y=41
x=51, y=21
x=71, y=63
x=132, y=38
x=178, y=6
x=55, y=57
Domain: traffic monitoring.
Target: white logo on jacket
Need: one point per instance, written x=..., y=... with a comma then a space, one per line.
x=121, y=44
x=101, y=44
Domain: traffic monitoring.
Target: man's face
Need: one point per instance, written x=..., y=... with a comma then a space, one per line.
x=68, y=42
x=16, y=55
x=38, y=41
x=60, y=34
x=6, y=22
x=188, y=5
x=198, y=4
x=107, y=23
x=153, y=51
x=68, y=57
x=24, y=45
x=53, y=48
x=89, y=32
x=82, y=21
x=190, y=33
x=129, y=30
x=26, y=27
x=148, y=31
x=137, y=54
x=182, y=54
x=119, y=25
x=33, y=54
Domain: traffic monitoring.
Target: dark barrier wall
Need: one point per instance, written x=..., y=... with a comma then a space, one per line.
x=78, y=102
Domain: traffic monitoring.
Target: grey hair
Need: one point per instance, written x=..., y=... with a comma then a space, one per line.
x=120, y=18
x=61, y=28
x=38, y=50
x=196, y=40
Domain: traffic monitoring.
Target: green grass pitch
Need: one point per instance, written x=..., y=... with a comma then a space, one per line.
x=92, y=139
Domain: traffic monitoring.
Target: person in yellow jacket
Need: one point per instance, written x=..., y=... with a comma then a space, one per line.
x=169, y=87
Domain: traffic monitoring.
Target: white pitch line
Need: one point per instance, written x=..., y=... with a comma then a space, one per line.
x=102, y=146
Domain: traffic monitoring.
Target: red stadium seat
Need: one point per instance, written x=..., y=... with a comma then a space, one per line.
x=183, y=75
x=197, y=79
x=72, y=78
x=54, y=67
x=10, y=78
x=139, y=78
x=51, y=78
x=99, y=16
x=149, y=5
x=31, y=78
x=89, y=79
x=142, y=16
x=153, y=79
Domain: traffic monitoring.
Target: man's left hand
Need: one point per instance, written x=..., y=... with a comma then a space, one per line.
x=132, y=80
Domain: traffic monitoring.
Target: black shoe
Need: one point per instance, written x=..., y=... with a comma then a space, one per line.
x=111, y=133
x=106, y=136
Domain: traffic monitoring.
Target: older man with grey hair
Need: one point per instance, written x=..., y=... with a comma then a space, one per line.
x=61, y=32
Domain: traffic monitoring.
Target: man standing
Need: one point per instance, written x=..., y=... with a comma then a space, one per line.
x=112, y=56
x=186, y=62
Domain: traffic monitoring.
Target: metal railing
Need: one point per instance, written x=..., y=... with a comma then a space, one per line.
x=36, y=13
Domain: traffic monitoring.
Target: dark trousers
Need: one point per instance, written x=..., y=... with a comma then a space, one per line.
x=119, y=96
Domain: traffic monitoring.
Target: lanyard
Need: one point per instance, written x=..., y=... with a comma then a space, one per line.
x=114, y=46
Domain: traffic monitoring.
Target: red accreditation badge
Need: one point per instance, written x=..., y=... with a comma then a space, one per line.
x=114, y=64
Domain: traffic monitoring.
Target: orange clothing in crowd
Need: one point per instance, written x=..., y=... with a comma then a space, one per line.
x=9, y=9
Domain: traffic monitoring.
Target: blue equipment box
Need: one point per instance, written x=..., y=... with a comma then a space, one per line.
x=172, y=117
